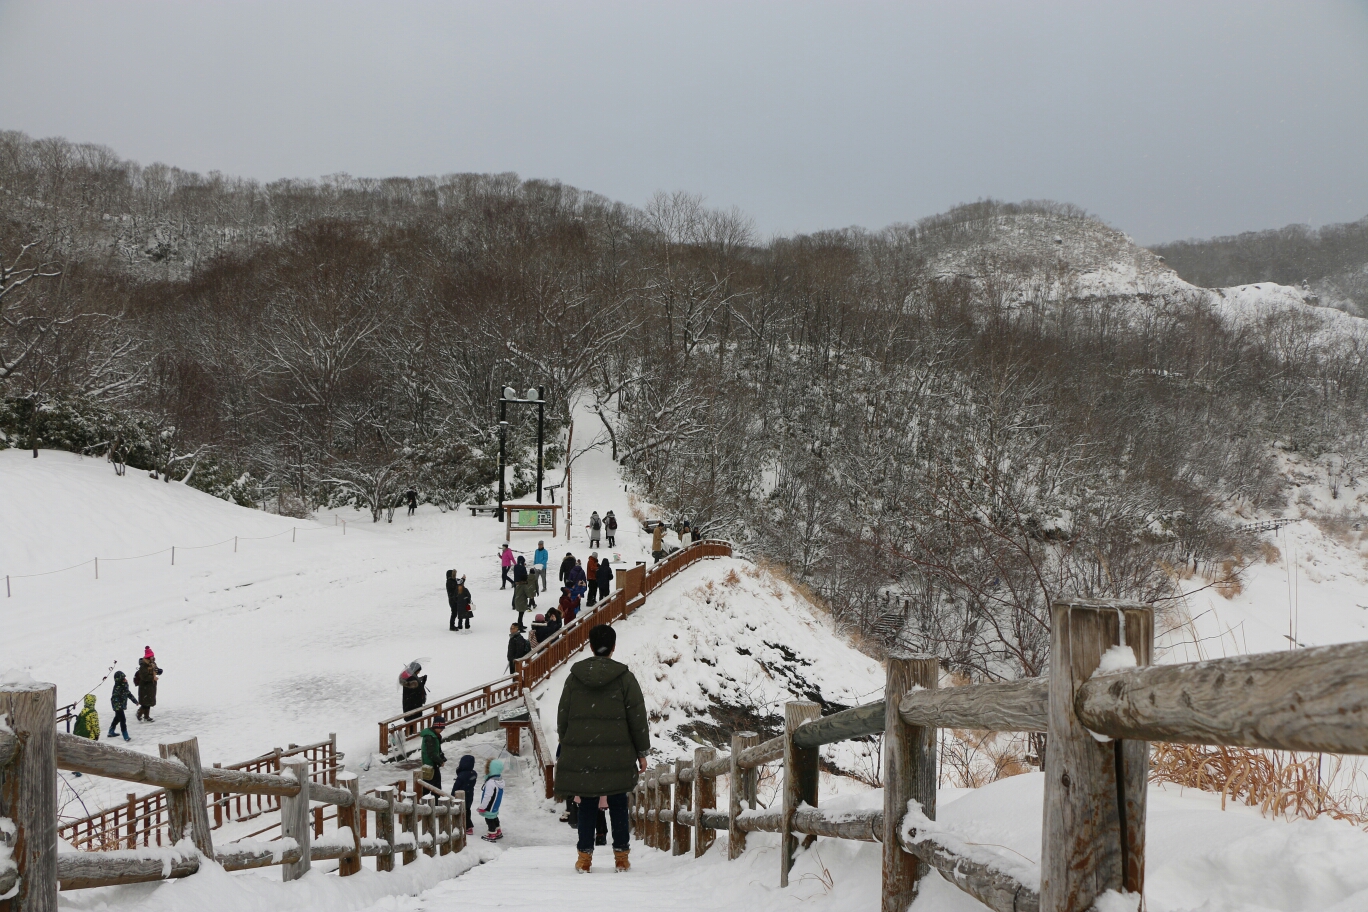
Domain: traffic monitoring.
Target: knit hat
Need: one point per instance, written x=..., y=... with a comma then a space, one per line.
x=147, y=652
x=541, y=619
x=439, y=722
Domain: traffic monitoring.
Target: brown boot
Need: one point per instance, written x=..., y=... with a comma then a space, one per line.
x=620, y=861
x=583, y=862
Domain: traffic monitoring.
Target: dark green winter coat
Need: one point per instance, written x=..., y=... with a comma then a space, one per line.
x=432, y=749
x=523, y=593
x=88, y=722
x=603, y=729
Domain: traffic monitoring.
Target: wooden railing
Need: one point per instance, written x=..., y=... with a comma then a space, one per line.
x=32, y=751
x=633, y=584
x=145, y=819
x=1098, y=727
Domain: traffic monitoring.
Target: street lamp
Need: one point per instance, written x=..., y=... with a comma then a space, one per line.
x=534, y=396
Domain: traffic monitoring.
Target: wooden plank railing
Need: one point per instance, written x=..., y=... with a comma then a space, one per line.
x=1098, y=727
x=144, y=819
x=633, y=583
x=309, y=790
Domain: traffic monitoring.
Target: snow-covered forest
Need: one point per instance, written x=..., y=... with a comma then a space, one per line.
x=935, y=427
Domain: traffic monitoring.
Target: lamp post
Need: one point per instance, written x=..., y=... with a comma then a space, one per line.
x=535, y=397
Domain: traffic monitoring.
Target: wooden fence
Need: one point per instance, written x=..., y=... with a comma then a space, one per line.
x=145, y=819
x=32, y=751
x=1098, y=727
x=633, y=585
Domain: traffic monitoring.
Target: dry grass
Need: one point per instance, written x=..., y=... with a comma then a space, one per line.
x=634, y=505
x=1278, y=783
x=972, y=759
x=1270, y=552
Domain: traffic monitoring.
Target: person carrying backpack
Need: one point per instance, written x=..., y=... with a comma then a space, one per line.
x=118, y=701
x=491, y=796
x=595, y=529
x=610, y=528
x=412, y=497
x=88, y=722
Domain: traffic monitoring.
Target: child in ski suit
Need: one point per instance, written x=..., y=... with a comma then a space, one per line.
x=118, y=701
x=491, y=796
x=88, y=722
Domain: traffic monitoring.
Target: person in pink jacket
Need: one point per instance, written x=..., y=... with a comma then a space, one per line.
x=506, y=560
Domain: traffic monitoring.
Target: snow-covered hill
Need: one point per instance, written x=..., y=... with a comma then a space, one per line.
x=1020, y=258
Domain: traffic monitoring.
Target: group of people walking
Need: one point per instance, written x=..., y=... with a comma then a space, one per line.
x=604, y=736
x=87, y=723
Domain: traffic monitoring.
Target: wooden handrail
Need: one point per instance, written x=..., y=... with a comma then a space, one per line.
x=1313, y=699
x=1015, y=706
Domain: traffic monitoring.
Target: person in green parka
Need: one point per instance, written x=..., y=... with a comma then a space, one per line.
x=88, y=722
x=604, y=739
x=432, y=751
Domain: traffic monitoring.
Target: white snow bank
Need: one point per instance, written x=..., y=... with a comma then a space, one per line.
x=726, y=634
x=215, y=890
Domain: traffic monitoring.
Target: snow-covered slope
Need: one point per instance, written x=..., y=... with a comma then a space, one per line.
x=1026, y=258
x=723, y=647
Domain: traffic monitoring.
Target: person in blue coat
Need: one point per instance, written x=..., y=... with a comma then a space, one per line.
x=466, y=778
x=540, y=560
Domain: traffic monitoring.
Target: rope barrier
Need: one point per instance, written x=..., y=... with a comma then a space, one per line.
x=9, y=590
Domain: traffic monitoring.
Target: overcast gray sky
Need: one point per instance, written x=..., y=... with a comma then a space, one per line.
x=1168, y=120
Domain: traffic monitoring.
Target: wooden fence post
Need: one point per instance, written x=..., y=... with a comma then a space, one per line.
x=28, y=795
x=294, y=821
x=429, y=823
x=909, y=774
x=218, y=803
x=187, y=806
x=662, y=805
x=801, y=768
x=350, y=817
x=462, y=823
x=658, y=837
x=740, y=787
x=704, y=798
x=680, y=834
x=384, y=827
x=132, y=798
x=410, y=825
x=445, y=829
x=1094, y=829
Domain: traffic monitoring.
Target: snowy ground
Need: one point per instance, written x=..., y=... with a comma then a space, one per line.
x=285, y=641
